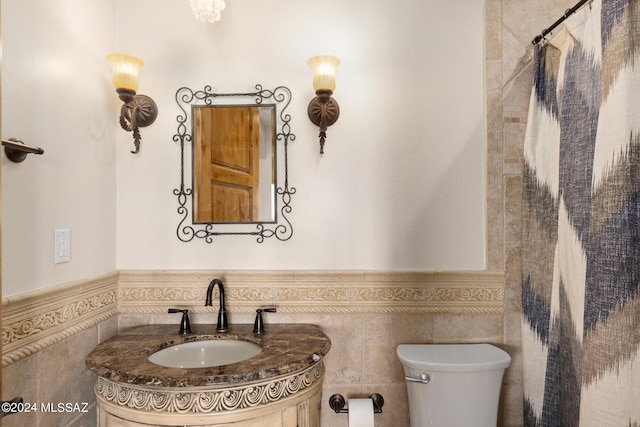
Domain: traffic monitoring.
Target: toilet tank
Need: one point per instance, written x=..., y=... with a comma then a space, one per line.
x=461, y=387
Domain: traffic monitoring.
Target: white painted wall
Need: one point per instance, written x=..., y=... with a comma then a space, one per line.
x=55, y=96
x=400, y=185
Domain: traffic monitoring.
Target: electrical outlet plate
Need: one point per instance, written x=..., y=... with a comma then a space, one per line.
x=62, y=246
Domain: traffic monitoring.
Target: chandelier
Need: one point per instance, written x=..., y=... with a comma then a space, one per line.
x=207, y=10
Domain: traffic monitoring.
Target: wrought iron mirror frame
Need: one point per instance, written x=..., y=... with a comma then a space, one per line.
x=280, y=227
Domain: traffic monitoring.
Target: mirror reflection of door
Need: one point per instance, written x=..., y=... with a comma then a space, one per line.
x=226, y=173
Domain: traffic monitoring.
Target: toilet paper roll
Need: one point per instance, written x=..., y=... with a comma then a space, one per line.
x=360, y=413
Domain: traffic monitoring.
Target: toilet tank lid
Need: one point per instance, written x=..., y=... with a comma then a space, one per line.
x=453, y=357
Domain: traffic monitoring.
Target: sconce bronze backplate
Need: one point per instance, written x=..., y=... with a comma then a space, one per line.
x=144, y=108
x=323, y=112
x=138, y=111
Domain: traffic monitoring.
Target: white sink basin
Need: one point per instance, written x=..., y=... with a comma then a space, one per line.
x=204, y=354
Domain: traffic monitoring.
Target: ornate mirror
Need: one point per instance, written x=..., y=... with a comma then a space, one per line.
x=234, y=147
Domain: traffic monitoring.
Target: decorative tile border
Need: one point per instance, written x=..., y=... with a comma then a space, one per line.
x=34, y=320
x=345, y=292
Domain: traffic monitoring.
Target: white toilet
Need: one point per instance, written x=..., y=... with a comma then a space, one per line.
x=453, y=384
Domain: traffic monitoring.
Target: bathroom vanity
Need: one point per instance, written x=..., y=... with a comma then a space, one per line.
x=280, y=386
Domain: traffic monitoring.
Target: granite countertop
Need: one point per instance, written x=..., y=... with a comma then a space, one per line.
x=286, y=348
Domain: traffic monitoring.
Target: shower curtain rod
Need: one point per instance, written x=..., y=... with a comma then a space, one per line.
x=567, y=13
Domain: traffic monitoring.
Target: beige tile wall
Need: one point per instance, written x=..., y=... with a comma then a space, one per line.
x=366, y=315
x=46, y=336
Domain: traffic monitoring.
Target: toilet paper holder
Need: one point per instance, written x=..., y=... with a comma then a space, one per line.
x=337, y=402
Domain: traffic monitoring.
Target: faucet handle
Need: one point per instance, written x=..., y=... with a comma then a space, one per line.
x=258, y=325
x=185, y=325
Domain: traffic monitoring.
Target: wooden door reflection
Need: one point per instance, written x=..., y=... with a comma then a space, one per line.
x=226, y=164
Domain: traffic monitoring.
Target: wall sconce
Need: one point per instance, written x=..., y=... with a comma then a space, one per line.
x=138, y=110
x=323, y=109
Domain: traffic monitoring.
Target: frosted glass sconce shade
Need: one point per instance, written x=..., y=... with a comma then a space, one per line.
x=323, y=109
x=324, y=72
x=125, y=70
x=137, y=110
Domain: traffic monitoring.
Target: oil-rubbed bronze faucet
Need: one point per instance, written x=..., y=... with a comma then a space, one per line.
x=185, y=325
x=223, y=324
x=258, y=325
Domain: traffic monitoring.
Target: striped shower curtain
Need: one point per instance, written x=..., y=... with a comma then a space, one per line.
x=581, y=223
